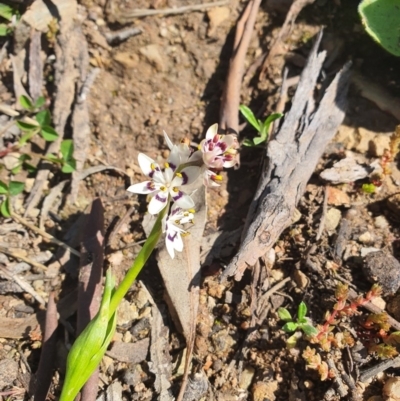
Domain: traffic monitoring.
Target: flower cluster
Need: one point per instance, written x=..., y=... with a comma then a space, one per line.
x=168, y=183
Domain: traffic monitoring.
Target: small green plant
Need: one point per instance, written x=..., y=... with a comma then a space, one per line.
x=66, y=161
x=7, y=13
x=368, y=188
x=41, y=124
x=12, y=189
x=301, y=323
x=261, y=127
x=381, y=21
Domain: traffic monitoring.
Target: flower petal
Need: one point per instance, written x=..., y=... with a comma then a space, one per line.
x=212, y=131
x=145, y=187
x=196, y=156
x=187, y=176
x=168, y=141
x=182, y=200
x=147, y=164
x=157, y=203
x=174, y=158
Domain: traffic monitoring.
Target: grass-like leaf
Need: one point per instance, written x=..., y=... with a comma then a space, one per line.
x=250, y=117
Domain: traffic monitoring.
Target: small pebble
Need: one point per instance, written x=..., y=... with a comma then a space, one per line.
x=332, y=220
x=381, y=222
x=365, y=238
x=392, y=388
x=383, y=268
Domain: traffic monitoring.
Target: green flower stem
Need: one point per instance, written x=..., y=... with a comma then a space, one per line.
x=138, y=264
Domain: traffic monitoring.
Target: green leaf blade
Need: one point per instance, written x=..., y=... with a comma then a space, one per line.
x=381, y=21
x=301, y=311
x=43, y=118
x=250, y=117
x=309, y=330
x=289, y=327
x=25, y=102
x=15, y=187
x=5, y=208
x=284, y=315
x=48, y=133
x=3, y=188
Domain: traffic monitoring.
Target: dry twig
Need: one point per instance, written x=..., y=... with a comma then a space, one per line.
x=229, y=118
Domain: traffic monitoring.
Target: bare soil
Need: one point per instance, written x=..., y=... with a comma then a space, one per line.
x=170, y=77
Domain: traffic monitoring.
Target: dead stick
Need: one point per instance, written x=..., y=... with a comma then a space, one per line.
x=46, y=363
x=168, y=11
x=284, y=33
x=44, y=234
x=374, y=309
x=18, y=256
x=229, y=118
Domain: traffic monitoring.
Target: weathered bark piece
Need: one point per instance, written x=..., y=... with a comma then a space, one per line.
x=35, y=66
x=71, y=60
x=49, y=349
x=90, y=288
x=229, y=118
x=290, y=160
x=181, y=277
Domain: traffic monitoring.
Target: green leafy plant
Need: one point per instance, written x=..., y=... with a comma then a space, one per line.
x=301, y=323
x=23, y=164
x=261, y=127
x=40, y=124
x=381, y=21
x=6, y=13
x=368, y=188
x=12, y=189
x=66, y=161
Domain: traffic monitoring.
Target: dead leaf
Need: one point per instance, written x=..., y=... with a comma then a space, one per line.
x=337, y=197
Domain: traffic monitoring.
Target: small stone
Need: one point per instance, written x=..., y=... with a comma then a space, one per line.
x=126, y=59
x=29, y=184
x=265, y=391
x=246, y=377
x=130, y=352
x=381, y=222
x=347, y=136
x=366, y=238
x=296, y=216
x=8, y=372
x=332, y=219
x=337, y=197
x=365, y=251
x=301, y=279
x=384, y=269
x=393, y=203
x=152, y=53
x=379, y=144
x=344, y=171
x=216, y=16
x=394, y=306
x=364, y=137
x=379, y=302
x=127, y=312
x=392, y=388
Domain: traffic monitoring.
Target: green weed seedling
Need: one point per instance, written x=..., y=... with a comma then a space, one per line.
x=66, y=161
x=12, y=189
x=41, y=124
x=7, y=13
x=301, y=323
x=261, y=127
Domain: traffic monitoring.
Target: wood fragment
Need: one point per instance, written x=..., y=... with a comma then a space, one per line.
x=283, y=35
x=18, y=256
x=35, y=66
x=121, y=35
x=181, y=277
x=160, y=360
x=47, y=360
x=229, y=118
x=44, y=234
x=123, y=17
x=90, y=277
x=5, y=273
x=381, y=366
x=290, y=161
x=374, y=309
x=68, y=49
